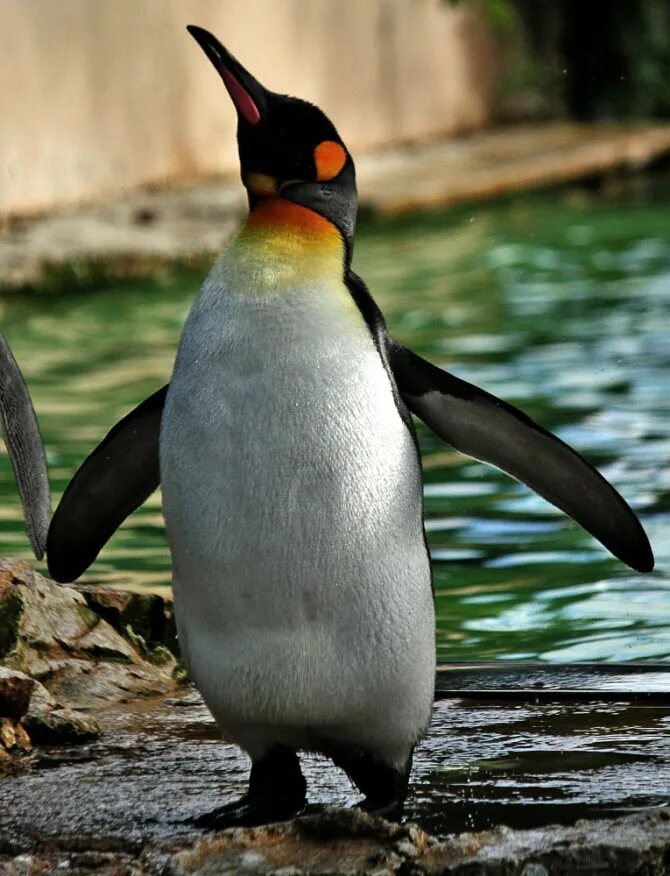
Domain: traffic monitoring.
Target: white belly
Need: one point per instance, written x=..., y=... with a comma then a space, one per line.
x=293, y=501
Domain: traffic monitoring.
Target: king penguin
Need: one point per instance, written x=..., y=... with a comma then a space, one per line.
x=291, y=479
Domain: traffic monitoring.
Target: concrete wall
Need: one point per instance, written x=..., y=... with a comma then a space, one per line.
x=99, y=95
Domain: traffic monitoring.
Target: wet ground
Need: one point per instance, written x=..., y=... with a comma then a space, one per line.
x=485, y=762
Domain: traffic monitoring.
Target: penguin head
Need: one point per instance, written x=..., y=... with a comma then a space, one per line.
x=288, y=148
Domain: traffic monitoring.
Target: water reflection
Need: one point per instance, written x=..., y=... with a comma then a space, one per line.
x=531, y=765
x=555, y=303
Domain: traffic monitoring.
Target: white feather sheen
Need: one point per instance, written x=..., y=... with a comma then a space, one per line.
x=293, y=501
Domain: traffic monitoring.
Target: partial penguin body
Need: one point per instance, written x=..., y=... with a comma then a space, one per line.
x=293, y=500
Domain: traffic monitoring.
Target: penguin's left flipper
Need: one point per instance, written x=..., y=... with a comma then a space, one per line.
x=493, y=431
x=25, y=449
x=111, y=483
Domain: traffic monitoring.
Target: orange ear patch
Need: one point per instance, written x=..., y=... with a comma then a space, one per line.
x=329, y=158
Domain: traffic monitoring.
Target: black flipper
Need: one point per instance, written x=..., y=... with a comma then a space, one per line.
x=110, y=484
x=486, y=428
x=25, y=448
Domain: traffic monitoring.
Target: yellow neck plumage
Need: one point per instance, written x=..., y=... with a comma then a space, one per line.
x=289, y=243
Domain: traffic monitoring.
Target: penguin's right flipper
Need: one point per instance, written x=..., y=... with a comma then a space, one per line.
x=25, y=449
x=491, y=430
x=110, y=484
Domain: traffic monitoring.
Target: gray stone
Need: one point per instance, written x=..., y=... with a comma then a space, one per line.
x=56, y=637
x=148, y=615
x=49, y=723
x=286, y=871
x=25, y=865
x=61, y=726
x=52, y=617
x=335, y=840
x=97, y=685
x=636, y=845
x=104, y=642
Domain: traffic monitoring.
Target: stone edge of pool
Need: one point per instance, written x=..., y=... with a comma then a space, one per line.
x=347, y=841
x=135, y=233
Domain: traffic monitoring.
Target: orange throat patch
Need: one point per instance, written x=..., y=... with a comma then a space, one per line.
x=285, y=243
x=279, y=214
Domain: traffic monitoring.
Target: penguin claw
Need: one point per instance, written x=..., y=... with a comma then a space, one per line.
x=245, y=813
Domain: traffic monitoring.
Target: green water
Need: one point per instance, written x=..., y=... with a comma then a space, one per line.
x=558, y=303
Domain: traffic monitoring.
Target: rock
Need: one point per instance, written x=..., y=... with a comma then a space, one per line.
x=50, y=723
x=53, y=620
x=15, y=690
x=96, y=685
x=103, y=641
x=148, y=615
x=10, y=611
x=61, y=726
x=346, y=841
x=335, y=840
x=636, y=845
x=159, y=655
x=13, y=736
x=41, y=699
x=102, y=863
x=25, y=865
x=54, y=634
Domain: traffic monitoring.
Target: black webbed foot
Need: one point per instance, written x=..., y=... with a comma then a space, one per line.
x=391, y=810
x=276, y=792
x=384, y=785
x=245, y=813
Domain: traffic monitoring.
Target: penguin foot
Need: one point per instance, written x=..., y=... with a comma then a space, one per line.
x=248, y=813
x=391, y=810
x=277, y=791
x=384, y=785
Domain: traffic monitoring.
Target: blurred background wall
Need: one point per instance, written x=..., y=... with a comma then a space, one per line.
x=100, y=96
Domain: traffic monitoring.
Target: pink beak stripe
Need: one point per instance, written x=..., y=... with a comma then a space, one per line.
x=241, y=98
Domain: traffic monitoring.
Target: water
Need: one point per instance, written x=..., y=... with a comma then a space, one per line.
x=482, y=764
x=558, y=303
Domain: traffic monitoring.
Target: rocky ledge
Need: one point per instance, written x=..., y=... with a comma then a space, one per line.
x=137, y=233
x=69, y=652
x=350, y=843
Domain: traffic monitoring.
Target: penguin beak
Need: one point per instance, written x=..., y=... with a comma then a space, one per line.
x=247, y=93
